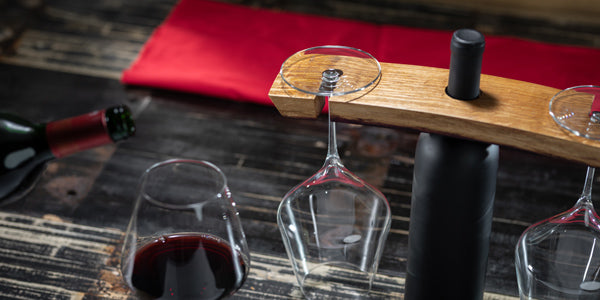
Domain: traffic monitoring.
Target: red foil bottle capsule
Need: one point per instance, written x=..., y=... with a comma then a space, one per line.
x=25, y=147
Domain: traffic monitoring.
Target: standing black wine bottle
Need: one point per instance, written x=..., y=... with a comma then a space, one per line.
x=452, y=196
x=25, y=147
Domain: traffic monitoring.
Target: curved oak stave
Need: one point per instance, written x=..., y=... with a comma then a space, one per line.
x=508, y=112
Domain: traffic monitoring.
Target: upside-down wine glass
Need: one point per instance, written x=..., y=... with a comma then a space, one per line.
x=184, y=239
x=333, y=224
x=559, y=258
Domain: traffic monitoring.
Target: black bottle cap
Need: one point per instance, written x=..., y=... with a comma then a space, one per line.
x=465, y=64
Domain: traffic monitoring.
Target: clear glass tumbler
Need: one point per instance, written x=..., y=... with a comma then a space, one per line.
x=184, y=239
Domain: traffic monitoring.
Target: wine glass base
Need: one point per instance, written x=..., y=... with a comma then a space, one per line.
x=558, y=258
x=577, y=109
x=590, y=286
x=330, y=70
x=345, y=280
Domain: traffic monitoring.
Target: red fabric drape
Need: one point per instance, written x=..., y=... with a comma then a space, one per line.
x=234, y=52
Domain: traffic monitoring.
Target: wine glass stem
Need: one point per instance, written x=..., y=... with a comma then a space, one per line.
x=332, y=151
x=586, y=195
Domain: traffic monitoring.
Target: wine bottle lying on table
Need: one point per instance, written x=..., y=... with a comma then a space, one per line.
x=26, y=147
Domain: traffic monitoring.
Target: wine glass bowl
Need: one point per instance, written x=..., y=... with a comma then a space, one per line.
x=333, y=224
x=184, y=239
x=559, y=258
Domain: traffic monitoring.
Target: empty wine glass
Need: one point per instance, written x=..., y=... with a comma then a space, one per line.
x=184, y=239
x=559, y=258
x=333, y=224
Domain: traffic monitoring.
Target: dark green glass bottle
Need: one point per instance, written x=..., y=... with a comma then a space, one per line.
x=25, y=147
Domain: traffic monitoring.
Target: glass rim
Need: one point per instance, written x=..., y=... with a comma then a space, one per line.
x=196, y=205
x=558, y=121
x=331, y=93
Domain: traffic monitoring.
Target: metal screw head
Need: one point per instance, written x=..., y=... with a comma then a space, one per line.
x=329, y=79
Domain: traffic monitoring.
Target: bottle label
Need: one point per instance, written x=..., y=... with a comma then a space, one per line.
x=77, y=133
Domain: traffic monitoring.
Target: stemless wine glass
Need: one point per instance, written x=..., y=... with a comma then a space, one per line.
x=559, y=258
x=333, y=224
x=184, y=239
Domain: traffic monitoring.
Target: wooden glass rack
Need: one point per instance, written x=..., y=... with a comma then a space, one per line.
x=508, y=112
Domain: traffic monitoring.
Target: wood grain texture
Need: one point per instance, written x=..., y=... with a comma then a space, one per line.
x=558, y=22
x=97, y=39
x=574, y=12
x=263, y=155
x=508, y=112
x=67, y=63
x=46, y=258
x=104, y=37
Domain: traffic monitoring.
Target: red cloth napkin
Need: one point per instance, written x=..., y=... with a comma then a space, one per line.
x=235, y=52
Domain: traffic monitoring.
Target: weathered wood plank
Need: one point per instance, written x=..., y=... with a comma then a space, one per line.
x=52, y=259
x=263, y=155
x=508, y=112
x=103, y=38
x=451, y=15
x=97, y=39
x=88, y=255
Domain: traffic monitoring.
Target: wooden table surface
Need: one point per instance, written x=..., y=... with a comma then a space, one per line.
x=63, y=241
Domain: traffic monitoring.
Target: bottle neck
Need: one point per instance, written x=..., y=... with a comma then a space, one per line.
x=87, y=131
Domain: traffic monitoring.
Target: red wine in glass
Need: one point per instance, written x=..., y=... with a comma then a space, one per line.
x=188, y=266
